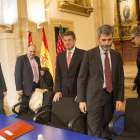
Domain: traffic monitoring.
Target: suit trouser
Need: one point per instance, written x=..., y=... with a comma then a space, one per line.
x=2, y=111
x=25, y=106
x=99, y=119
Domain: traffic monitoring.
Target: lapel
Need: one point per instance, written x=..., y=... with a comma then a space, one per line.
x=28, y=63
x=113, y=63
x=74, y=57
x=64, y=59
x=97, y=57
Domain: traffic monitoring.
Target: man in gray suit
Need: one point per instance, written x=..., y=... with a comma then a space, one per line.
x=101, y=84
x=3, y=91
x=27, y=76
x=67, y=68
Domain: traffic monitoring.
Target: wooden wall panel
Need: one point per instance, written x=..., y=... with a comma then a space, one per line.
x=127, y=49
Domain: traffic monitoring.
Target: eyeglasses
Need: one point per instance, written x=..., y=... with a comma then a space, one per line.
x=32, y=51
x=133, y=38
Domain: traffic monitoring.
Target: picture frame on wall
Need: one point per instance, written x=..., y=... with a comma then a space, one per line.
x=126, y=11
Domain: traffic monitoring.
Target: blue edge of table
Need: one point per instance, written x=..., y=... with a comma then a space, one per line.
x=48, y=132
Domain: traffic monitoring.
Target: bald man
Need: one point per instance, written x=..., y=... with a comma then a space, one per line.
x=27, y=75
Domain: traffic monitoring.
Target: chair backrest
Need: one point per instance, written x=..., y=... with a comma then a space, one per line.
x=47, y=99
x=132, y=115
x=63, y=111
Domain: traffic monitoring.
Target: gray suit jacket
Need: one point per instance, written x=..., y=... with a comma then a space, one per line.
x=24, y=74
x=91, y=79
x=2, y=84
x=67, y=78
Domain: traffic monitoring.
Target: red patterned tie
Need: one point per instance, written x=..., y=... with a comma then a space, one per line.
x=35, y=71
x=68, y=59
x=108, y=77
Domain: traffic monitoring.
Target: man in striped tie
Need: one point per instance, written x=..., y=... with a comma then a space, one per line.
x=67, y=68
x=27, y=74
x=100, y=84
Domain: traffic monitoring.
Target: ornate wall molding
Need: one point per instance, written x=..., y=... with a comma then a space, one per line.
x=76, y=7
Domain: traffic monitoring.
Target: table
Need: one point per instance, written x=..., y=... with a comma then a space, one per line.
x=48, y=132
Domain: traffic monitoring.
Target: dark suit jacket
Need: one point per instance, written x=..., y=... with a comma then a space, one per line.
x=91, y=79
x=24, y=74
x=2, y=84
x=66, y=79
x=137, y=79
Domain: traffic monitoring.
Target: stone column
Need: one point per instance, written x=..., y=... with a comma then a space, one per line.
x=21, y=27
x=98, y=17
x=116, y=20
x=116, y=15
x=8, y=59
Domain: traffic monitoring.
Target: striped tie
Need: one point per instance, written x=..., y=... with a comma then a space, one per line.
x=35, y=71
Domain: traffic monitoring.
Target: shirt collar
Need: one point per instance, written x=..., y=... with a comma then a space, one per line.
x=102, y=51
x=72, y=51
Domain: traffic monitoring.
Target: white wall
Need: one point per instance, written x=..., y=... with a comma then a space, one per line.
x=84, y=26
x=108, y=11
x=1, y=17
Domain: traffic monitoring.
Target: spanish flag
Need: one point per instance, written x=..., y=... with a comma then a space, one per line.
x=45, y=56
x=29, y=38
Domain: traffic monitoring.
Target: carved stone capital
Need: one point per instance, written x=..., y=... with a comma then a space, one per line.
x=71, y=7
x=63, y=4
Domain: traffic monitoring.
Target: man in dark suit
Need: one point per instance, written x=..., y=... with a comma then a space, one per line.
x=100, y=84
x=3, y=91
x=27, y=74
x=135, y=35
x=67, y=68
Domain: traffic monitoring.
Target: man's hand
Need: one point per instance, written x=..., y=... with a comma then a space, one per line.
x=133, y=87
x=41, y=72
x=83, y=107
x=57, y=96
x=118, y=105
x=4, y=93
x=20, y=92
x=75, y=98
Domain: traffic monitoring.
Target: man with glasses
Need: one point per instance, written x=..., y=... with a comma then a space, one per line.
x=135, y=38
x=27, y=75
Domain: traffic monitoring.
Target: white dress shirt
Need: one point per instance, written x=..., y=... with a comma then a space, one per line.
x=72, y=52
x=102, y=54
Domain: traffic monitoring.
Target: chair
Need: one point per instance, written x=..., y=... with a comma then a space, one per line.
x=131, y=121
x=65, y=114
x=47, y=100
